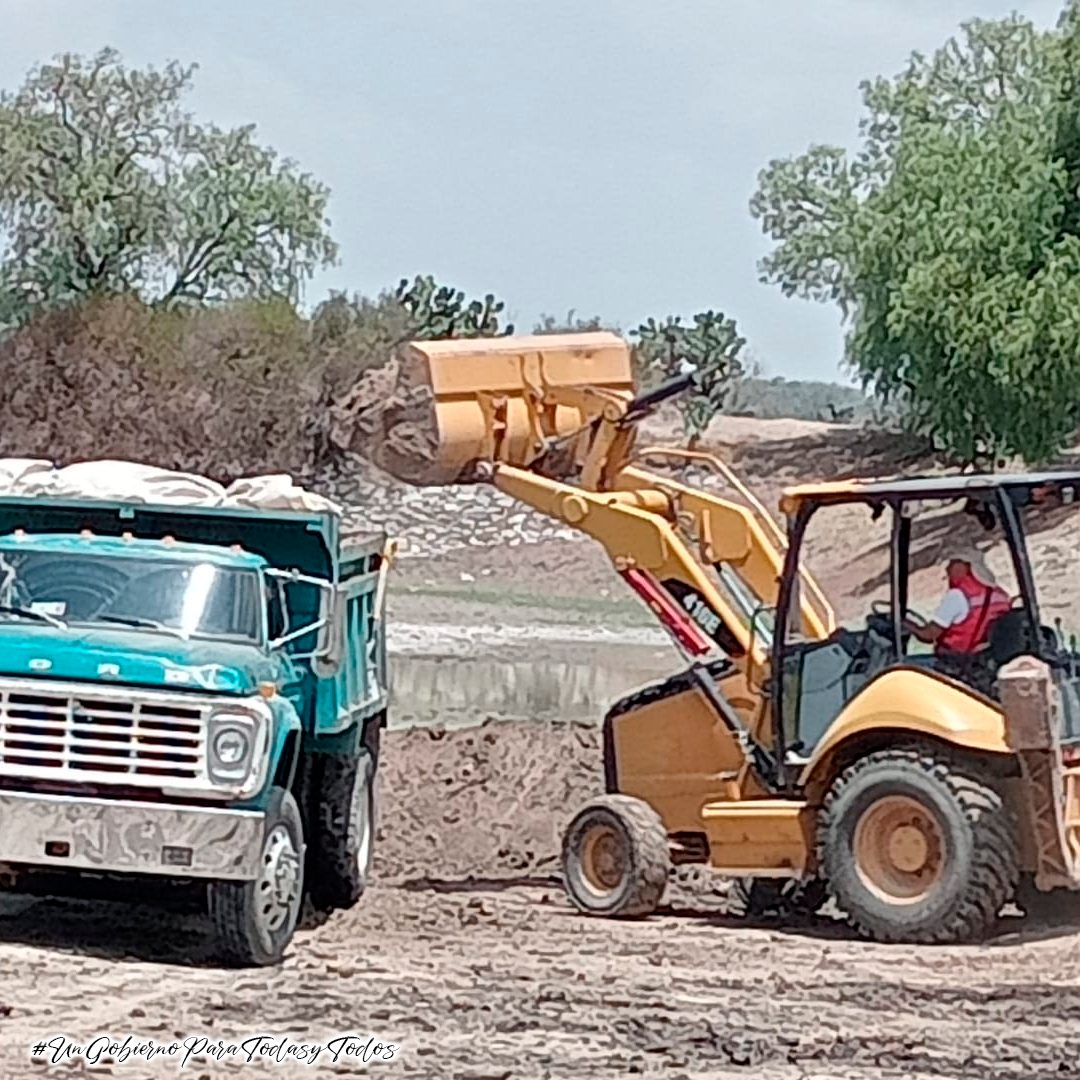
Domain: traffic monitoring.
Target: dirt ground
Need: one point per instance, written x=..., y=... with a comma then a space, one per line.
x=464, y=952
x=466, y=956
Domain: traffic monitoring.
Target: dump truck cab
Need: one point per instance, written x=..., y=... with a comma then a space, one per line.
x=192, y=689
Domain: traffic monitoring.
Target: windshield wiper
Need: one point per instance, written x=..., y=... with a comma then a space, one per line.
x=29, y=613
x=134, y=620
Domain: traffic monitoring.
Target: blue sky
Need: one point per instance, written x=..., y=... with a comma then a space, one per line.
x=588, y=154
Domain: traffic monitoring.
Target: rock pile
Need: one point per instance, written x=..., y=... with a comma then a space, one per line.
x=434, y=521
x=389, y=417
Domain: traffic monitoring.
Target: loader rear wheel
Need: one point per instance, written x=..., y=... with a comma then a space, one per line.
x=916, y=848
x=615, y=858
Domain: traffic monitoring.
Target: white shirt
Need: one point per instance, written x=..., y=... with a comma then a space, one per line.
x=953, y=609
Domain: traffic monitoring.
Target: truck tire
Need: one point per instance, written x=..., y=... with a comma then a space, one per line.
x=344, y=847
x=254, y=920
x=615, y=858
x=916, y=848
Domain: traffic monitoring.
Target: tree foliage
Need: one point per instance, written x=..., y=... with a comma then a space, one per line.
x=710, y=346
x=951, y=239
x=108, y=186
x=439, y=311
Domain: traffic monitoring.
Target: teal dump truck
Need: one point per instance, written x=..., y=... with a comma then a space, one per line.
x=193, y=683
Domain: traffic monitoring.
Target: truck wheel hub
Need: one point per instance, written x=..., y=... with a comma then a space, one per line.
x=279, y=884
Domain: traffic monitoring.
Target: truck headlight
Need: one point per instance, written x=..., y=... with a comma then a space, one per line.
x=231, y=746
x=231, y=740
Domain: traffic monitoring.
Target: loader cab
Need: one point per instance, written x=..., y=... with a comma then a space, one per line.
x=920, y=521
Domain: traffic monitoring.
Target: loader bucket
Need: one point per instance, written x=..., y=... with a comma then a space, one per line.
x=502, y=399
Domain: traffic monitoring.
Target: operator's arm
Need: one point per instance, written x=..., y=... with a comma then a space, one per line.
x=928, y=633
x=952, y=609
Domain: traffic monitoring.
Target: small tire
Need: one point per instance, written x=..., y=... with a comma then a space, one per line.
x=344, y=845
x=782, y=899
x=254, y=921
x=917, y=848
x=615, y=858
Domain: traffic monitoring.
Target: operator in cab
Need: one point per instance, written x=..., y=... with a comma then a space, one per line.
x=972, y=604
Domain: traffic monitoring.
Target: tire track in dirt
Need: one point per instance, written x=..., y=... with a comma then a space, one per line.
x=513, y=983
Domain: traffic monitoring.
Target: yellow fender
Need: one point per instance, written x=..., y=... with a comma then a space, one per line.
x=915, y=702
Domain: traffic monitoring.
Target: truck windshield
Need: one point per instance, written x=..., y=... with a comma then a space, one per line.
x=188, y=599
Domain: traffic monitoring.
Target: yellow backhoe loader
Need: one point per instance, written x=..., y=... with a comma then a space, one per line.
x=922, y=793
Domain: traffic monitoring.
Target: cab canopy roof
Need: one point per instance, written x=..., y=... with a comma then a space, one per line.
x=926, y=487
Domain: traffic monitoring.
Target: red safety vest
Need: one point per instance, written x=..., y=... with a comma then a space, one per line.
x=986, y=605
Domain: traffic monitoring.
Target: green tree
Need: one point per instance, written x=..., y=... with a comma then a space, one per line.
x=439, y=311
x=710, y=346
x=951, y=238
x=108, y=186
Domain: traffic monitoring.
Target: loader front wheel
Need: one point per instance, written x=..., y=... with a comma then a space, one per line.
x=917, y=848
x=615, y=858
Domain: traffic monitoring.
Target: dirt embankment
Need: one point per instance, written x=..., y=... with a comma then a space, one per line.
x=486, y=802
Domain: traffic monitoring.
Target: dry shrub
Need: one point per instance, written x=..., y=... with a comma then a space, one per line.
x=229, y=391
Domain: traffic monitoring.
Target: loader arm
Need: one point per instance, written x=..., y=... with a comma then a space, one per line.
x=634, y=530
x=551, y=421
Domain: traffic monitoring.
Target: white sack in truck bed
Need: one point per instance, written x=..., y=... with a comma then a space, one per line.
x=129, y=481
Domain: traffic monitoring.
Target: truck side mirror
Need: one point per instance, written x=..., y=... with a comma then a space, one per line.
x=331, y=647
x=327, y=626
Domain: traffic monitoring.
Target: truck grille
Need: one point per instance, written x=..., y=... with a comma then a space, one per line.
x=98, y=739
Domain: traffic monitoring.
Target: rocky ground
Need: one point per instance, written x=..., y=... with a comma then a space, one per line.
x=466, y=957
x=464, y=953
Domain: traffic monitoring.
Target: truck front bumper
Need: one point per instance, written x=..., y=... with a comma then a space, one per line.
x=66, y=832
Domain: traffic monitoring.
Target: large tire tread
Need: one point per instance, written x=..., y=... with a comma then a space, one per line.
x=995, y=870
x=337, y=882
x=228, y=901
x=651, y=869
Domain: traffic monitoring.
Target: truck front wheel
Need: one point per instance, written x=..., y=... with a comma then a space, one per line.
x=255, y=920
x=344, y=848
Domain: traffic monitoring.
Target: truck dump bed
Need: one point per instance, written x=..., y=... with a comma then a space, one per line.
x=288, y=526
x=266, y=515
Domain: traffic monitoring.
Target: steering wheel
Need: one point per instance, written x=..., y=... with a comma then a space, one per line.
x=884, y=608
